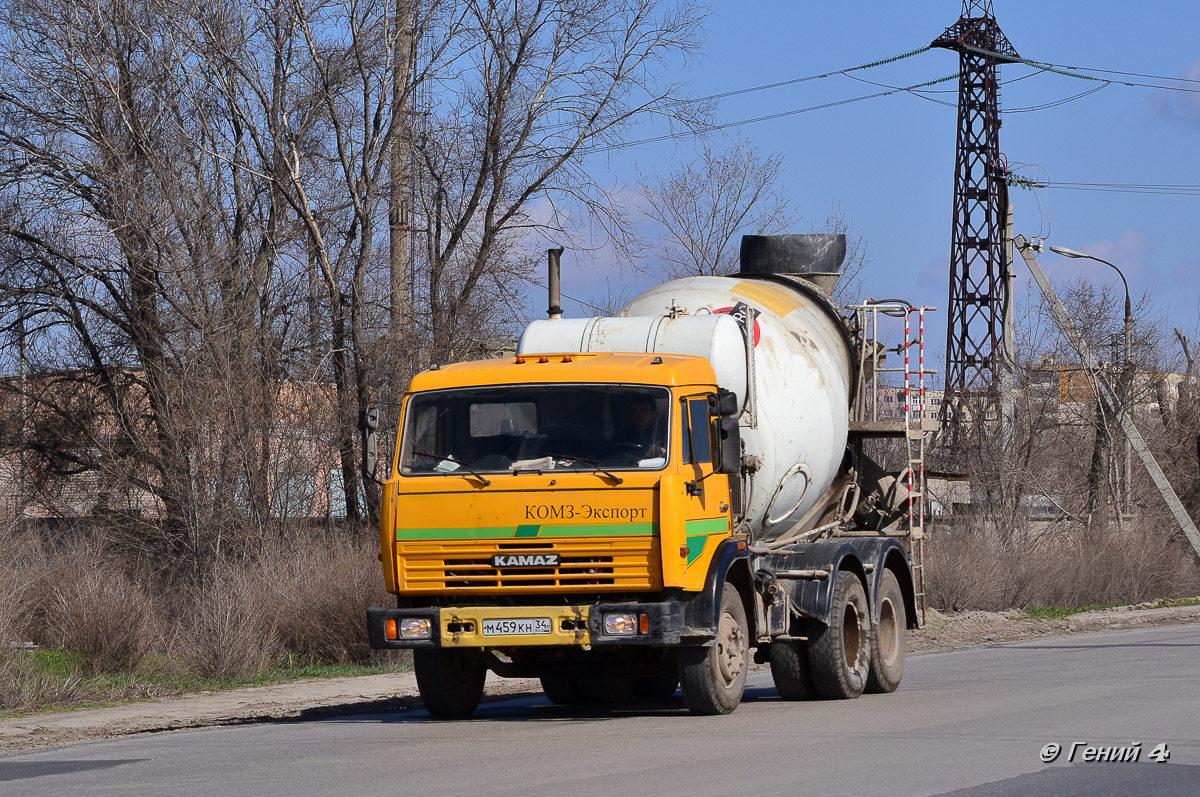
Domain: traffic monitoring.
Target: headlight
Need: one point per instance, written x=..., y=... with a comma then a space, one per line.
x=620, y=624
x=416, y=628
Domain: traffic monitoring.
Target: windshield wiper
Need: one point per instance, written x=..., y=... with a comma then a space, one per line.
x=593, y=463
x=462, y=465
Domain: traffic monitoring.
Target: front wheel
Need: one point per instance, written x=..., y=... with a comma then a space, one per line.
x=839, y=655
x=450, y=681
x=714, y=678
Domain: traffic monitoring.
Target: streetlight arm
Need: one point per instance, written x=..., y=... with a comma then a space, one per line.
x=1065, y=252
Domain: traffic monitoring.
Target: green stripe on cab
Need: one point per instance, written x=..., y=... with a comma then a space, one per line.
x=528, y=532
x=698, y=532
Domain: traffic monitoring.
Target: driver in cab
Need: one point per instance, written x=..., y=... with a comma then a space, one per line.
x=646, y=430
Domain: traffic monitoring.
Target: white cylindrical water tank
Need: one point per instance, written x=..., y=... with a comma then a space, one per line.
x=716, y=337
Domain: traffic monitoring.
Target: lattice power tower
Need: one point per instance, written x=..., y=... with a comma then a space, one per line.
x=974, y=322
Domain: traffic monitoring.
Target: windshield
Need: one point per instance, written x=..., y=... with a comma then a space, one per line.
x=536, y=428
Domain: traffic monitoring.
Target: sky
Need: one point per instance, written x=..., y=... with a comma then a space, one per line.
x=888, y=163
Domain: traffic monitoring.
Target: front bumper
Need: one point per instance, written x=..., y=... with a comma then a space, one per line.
x=572, y=626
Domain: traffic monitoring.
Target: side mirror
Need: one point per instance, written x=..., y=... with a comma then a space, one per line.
x=723, y=403
x=729, y=445
x=368, y=422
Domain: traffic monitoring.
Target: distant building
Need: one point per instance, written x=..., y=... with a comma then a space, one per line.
x=303, y=476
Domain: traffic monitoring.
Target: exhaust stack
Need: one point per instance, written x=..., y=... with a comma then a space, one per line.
x=553, y=285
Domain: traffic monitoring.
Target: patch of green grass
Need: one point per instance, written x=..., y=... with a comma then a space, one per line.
x=60, y=663
x=38, y=682
x=1061, y=612
x=1167, y=603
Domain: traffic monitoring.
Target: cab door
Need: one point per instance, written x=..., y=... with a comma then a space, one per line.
x=694, y=502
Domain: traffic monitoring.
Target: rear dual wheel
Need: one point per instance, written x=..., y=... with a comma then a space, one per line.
x=566, y=690
x=790, y=671
x=562, y=690
x=657, y=688
x=889, y=644
x=850, y=655
x=839, y=654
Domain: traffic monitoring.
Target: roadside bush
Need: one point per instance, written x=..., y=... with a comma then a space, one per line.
x=22, y=566
x=320, y=598
x=88, y=603
x=1109, y=565
x=1061, y=565
x=225, y=622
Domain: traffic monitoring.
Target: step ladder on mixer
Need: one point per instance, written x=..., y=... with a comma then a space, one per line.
x=913, y=428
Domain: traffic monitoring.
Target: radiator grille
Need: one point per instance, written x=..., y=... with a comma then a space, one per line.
x=629, y=563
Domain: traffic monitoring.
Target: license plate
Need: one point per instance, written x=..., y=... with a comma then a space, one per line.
x=523, y=625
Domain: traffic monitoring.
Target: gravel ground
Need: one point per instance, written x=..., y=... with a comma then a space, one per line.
x=379, y=693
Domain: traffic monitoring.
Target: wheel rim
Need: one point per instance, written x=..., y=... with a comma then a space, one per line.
x=887, y=637
x=731, y=649
x=851, y=636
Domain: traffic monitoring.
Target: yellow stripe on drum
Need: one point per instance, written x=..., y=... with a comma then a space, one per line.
x=778, y=300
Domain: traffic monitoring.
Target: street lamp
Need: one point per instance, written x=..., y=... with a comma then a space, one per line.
x=1126, y=376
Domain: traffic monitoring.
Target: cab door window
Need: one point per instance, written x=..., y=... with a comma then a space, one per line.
x=697, y=444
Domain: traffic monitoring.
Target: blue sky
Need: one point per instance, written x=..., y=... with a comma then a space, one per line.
x=889, y=162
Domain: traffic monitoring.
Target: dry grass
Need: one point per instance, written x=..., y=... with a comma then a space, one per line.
x=321, y=595
x=93, y=607
x=102, y=623
x=225, y=629
x=1061, y=565
x=22, y=570
x=306, y=601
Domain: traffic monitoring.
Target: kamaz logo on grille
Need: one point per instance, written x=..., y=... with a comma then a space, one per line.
x=525, y=560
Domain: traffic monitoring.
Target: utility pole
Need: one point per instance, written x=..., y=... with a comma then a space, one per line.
x=974, y=326
x=23, y=388
x=1110, y=398
x=1008, y=413
x=399, y=317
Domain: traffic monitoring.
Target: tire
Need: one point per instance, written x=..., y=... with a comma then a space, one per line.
x=658, y=688
x=562, y=690
x=714, y=678
x=839, y=655
x=789, y=668
x=889, y=643
x=450, y=682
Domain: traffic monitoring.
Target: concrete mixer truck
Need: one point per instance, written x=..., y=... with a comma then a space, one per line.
x=653, y=500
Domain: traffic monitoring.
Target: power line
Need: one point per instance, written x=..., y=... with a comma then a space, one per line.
x=565, y=295
x=1129, y=188
x=1041, y=107
x=819, y=76
x=1041, y=67
x=1079, y=72
x=1063, y=101
x=768, y=117
x=1130, y=74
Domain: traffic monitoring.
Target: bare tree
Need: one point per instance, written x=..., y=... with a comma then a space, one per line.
x=143, y=244
x=703, y=209
x=198, y=206
x=541, y=86
x=850, y=287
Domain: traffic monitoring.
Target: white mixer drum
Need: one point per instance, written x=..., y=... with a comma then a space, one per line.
x=803, y=373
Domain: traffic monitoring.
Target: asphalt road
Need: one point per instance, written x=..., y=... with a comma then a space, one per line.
x=970, y=722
